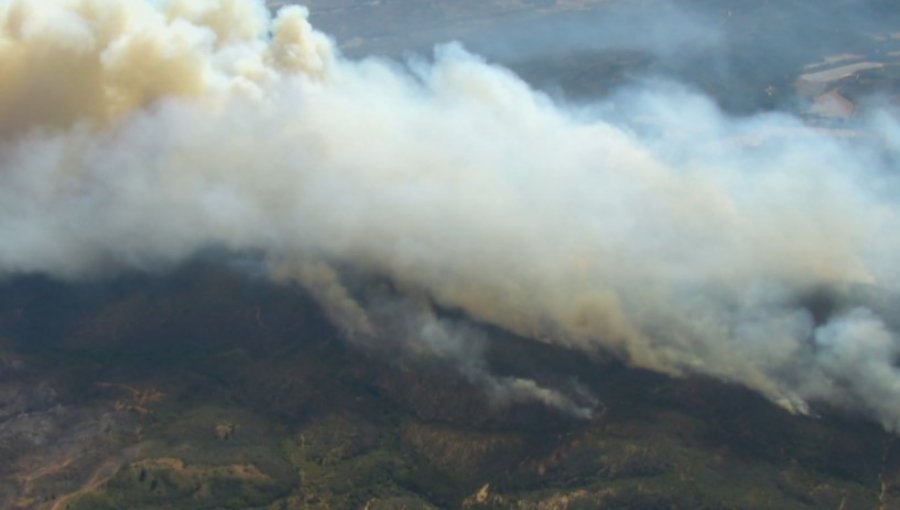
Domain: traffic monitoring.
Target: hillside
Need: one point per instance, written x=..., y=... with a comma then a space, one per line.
x=208, y=390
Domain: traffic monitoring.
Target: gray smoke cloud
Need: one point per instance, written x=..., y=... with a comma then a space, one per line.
x=134, y=134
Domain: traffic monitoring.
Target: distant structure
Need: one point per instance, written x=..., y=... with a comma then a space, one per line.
x=833, y=105
x=833, y=87
x=819, y=82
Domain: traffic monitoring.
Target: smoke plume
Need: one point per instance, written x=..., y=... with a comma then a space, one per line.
x=134, y=134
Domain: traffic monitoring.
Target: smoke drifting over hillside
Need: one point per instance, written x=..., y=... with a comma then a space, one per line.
x=136, y=134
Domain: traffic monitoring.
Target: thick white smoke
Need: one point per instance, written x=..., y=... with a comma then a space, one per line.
x=134, y=134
